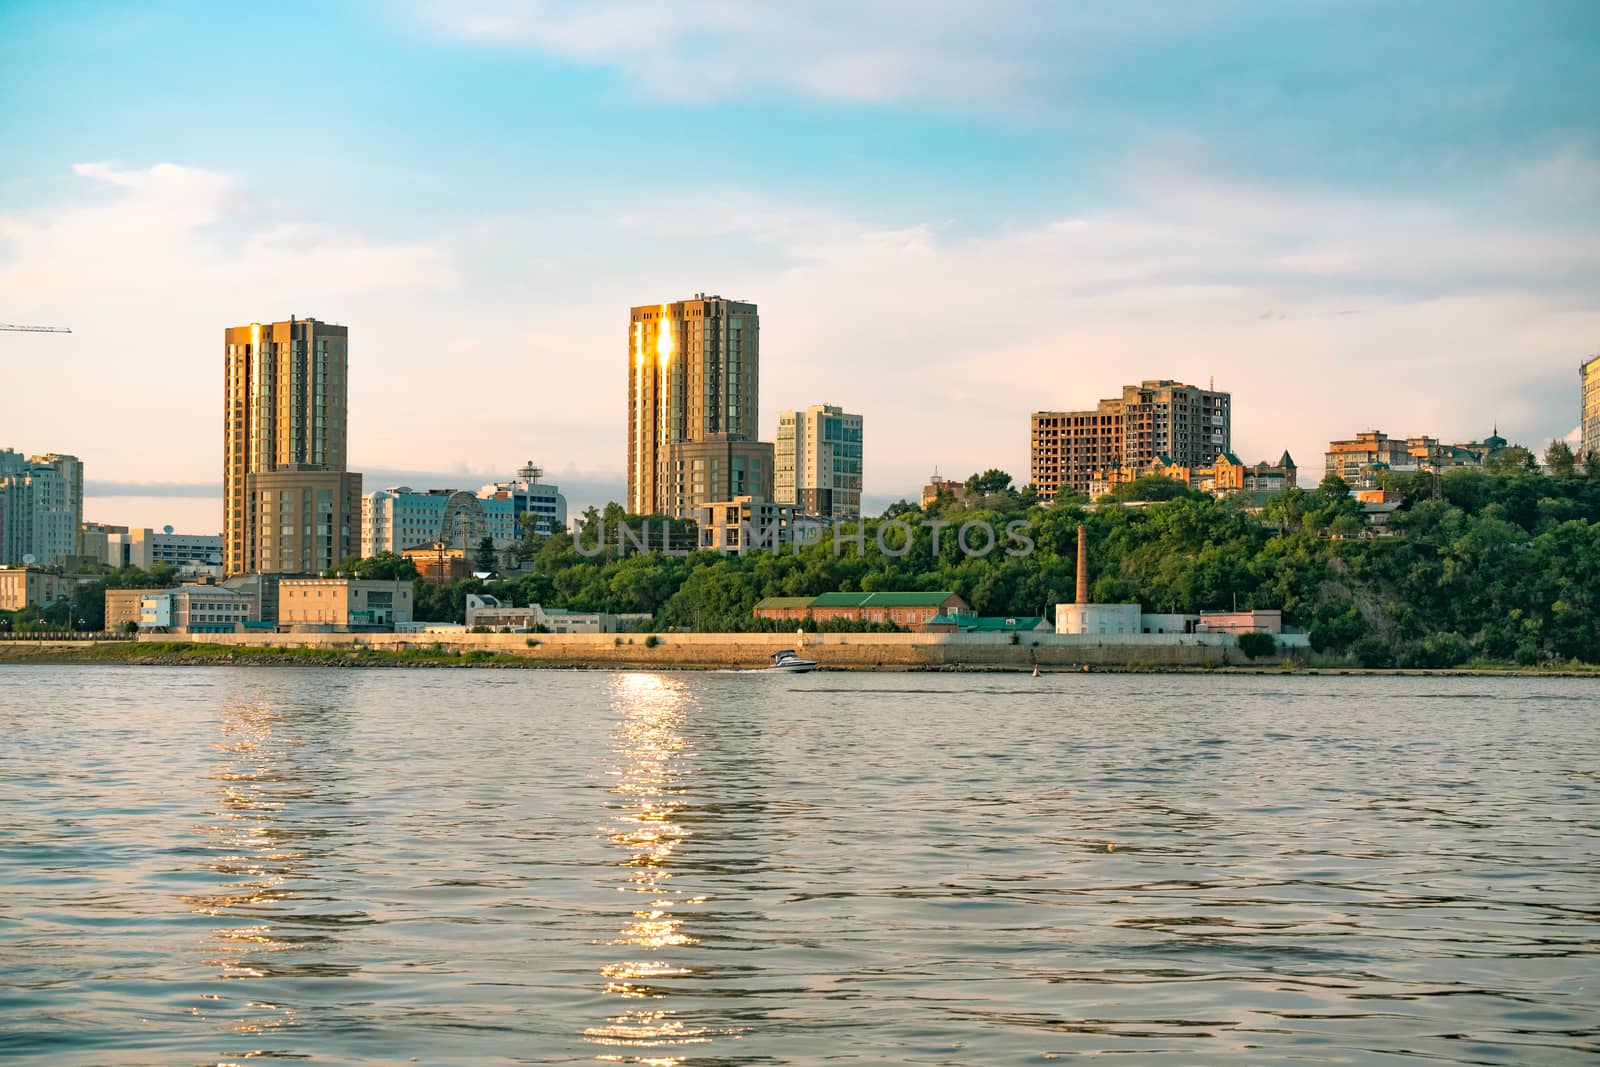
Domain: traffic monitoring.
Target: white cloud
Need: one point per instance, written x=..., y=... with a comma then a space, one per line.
x=172, y=231
x=860, y=50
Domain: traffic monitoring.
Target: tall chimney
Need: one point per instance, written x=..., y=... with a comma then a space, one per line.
x=1083, y=566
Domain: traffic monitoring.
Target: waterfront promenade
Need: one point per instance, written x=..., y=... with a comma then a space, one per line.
x=836, y=651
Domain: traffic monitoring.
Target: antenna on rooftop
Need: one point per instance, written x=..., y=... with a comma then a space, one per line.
x=530, y=473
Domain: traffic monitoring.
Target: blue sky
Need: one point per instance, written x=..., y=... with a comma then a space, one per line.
x=1354, y=215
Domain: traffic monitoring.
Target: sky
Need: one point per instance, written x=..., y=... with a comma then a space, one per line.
x=1352, y=215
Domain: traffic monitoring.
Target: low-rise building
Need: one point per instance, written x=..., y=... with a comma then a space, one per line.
x=342, y=605
x=1362, y=462
x=907, y=610
x=195, y=609
x=937, y=485
x=439, y=562
x=958, y=623
x=1099, y=619
x=1128, y=619
x=122, y=608
x=28, y=587
x=1259, y=621
x=490, y=613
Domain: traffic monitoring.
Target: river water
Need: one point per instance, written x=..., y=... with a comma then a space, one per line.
x=209, y=865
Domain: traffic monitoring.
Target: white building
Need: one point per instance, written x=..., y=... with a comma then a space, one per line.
x=41, y=507
x=399, y=518
x=817, y=461
x=505, y=504
x=145, y=548
x=196, y=609
x=487, y=612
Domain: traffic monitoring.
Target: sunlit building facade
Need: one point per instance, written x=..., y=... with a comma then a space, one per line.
x=818, y=456
x=286, y=391
x=693, y=377
x=1589, y=437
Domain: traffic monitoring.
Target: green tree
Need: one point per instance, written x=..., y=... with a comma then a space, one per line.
x=1513, y=459
x=1255, y=645
x=1558, y=457
x=484, y=558
x=1152, y=487
x=385, y=566
x=992, y=480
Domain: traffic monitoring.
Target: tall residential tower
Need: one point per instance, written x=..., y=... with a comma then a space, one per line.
x=818, y=459
x=693, y=380
x=289, y=505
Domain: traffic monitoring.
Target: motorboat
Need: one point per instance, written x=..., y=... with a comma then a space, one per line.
x=788, y=662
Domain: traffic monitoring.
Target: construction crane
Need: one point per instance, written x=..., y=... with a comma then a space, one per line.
x=33, y=329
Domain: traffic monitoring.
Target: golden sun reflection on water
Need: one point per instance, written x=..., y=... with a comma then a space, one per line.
x=250, y=852
x=651, y=783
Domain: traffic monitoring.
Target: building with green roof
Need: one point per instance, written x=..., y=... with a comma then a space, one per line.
x=908, y=610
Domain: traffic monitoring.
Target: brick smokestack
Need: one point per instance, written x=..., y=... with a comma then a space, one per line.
x=1083, y=566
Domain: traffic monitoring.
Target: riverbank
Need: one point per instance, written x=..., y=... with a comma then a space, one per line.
x=640, y=656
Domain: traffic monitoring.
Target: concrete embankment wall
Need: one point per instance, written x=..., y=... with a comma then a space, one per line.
x=839, y=651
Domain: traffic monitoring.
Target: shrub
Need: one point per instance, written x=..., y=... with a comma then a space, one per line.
x=532, y=643
x=652, y=641
x=1256, y=645
x=1372, y=651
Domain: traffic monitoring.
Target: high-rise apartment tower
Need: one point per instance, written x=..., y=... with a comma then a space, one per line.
x=289, y=504
x=693, y=380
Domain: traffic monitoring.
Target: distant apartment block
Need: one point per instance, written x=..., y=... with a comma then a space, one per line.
x=41, y=507
x=400, y=518
x=693, y=382
x=120, y=546
x=1156, y=419
x=1589, y=412
x=289, y=505
x=746, y=523
x=819, y=462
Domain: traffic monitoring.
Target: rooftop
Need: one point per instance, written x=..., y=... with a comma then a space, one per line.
x=882, y=600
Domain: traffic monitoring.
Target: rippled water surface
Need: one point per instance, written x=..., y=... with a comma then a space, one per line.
x=200, y=866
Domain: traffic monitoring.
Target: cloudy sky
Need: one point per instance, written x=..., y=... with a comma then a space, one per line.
x=1353, y=215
